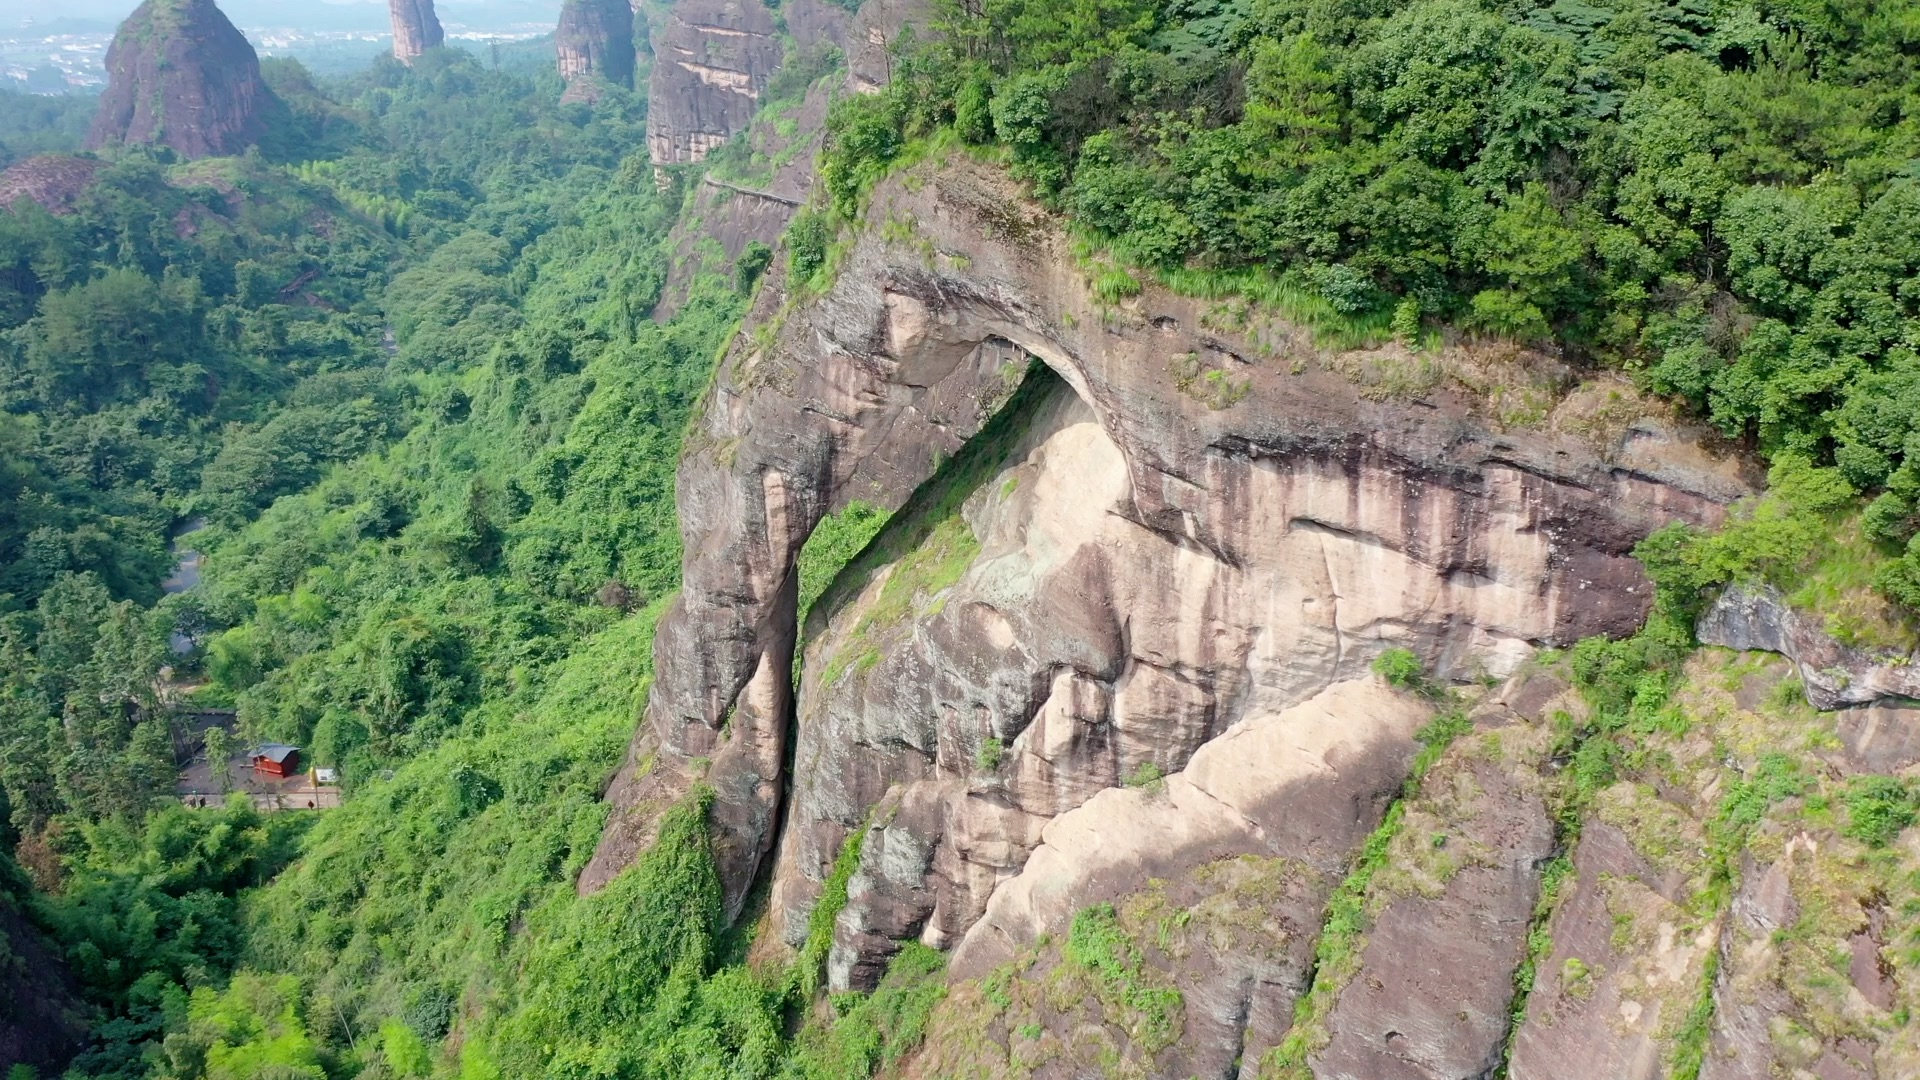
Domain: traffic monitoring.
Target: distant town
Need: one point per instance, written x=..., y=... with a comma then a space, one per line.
x=68, y=56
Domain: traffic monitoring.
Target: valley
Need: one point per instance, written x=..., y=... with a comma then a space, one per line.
x=1280, y=539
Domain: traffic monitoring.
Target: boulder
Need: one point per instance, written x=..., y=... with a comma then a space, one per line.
x=1757, y=616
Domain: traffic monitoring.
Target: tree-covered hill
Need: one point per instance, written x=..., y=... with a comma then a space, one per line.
x=400, y=363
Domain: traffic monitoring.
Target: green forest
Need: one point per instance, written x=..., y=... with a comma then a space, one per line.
x=398, y=371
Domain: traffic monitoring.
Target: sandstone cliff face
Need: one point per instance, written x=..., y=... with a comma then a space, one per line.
x=712, y=60
x=738, y=214
x=1247, y=529
x=416, y=28
x=1103, y=684
x=180, y=75
x=595, y=41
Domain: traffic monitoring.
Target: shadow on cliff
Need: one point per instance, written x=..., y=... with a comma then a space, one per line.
x=938, y=499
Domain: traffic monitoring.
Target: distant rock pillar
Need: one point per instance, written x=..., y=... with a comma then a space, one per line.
x=415, y=28
x=595, y=42
x=712, y=60
x=180, y=75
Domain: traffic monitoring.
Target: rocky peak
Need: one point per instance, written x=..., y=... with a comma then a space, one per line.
x=595, y=39
x=179, y=74
x=415, y=28
x=712, y=60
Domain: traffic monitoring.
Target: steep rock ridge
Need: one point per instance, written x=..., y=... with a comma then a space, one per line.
x=180, y=75
x=734, y=215
x=1787, y=959
x=1627, y=956
x=1295, y=790
x=1432, y=977
x=1836, y=675
x=739, y=214
x=53, y=181
x=1450, y=917
x=416, y=28
x=1461, y=540
x=594, y=41
x=1249, y=839
x=1793, y=959
x=1816, y=975
x=712, y=61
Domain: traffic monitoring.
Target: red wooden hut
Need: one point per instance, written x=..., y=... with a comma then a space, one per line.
x=277, y=759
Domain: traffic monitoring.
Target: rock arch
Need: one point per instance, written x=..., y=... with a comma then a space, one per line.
x=1463, y=537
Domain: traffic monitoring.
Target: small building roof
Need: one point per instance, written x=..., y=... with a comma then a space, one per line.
x=278, y=753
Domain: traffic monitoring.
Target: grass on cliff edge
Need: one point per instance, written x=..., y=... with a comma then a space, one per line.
x=1336, y=957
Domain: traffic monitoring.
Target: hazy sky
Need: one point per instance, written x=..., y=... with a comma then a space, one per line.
x=293, y=13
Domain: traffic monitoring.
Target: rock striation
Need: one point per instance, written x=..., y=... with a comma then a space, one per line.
x=594, y=43
x=416, y=28
x=1232, y=526
x=180, y=75
x=712, y=61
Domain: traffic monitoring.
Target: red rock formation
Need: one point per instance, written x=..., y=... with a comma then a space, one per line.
x=180, y=75
x=712, y=61
x=595, y=42
x=415, y=28
x=1237, y=479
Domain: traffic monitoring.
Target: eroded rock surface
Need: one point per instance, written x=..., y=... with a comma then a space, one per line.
x=1453, y=906
x=712, y=60
x=1306, y=783
x=594, y=42
x=1249, y=840
x=1626, y=961
x=180, y=75
x=1835, y=675
x=53, y=181
x=416, y=28
x=1881, y=738
x=1805, y=987
x=740, y=211
x=1252, y=529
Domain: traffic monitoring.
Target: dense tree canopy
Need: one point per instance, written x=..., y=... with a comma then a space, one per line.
x=400, y=365
x=1720, y=199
